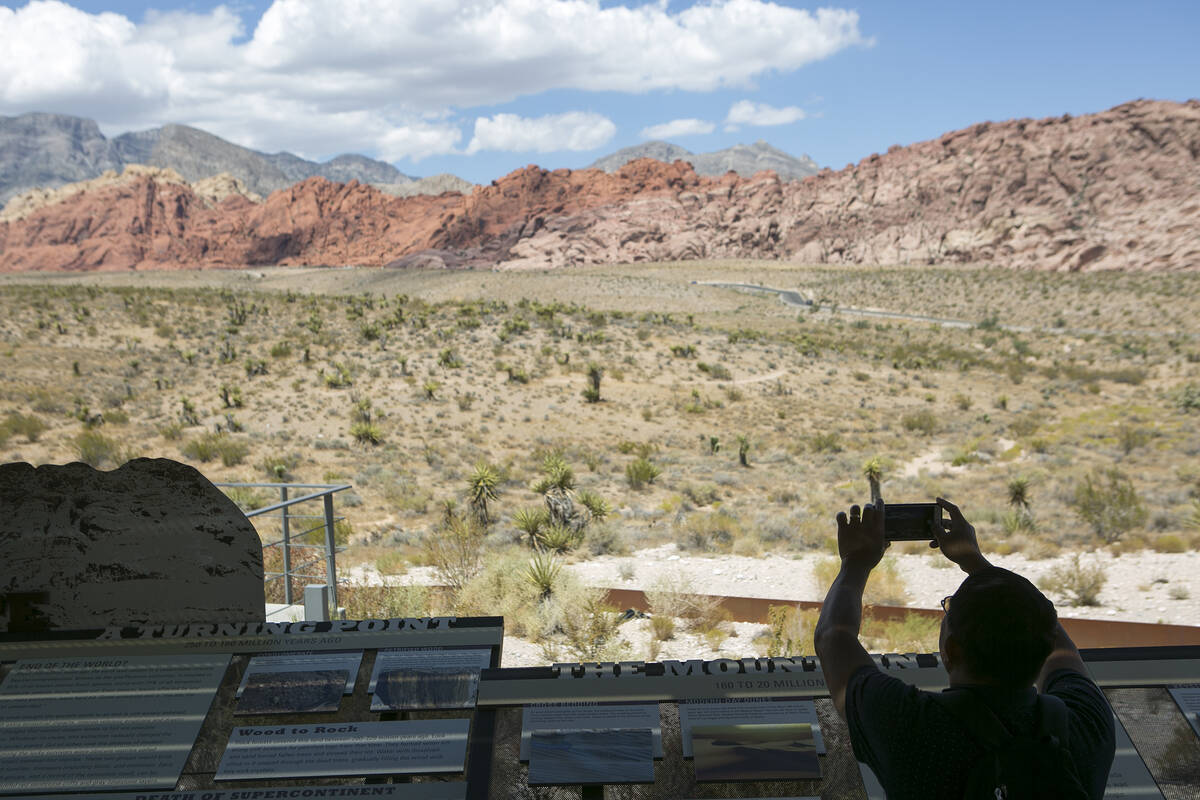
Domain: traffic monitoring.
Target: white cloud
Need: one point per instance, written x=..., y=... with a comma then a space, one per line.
x=574, y=130
x=746, y=112
x=677, y=127
x=310, y=67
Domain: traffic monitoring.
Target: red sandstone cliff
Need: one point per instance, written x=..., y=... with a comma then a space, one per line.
x=1114, y=190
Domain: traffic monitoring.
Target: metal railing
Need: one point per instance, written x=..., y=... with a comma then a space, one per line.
x=326, y=521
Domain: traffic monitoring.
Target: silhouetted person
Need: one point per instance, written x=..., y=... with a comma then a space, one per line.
x=1005, y=653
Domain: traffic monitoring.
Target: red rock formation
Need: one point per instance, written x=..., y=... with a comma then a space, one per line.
x=1115, y=190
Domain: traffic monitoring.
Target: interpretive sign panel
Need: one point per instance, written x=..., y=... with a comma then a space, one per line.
x=450, y=790
x=293, y=692
x=591, y=757
x=746, y=711
x=118, y=722
x=305, y=662
x=353, y=748
x=426, y=678
x=1188, y=700
x=755, y=752
x=542, y=717
x=1128, y=776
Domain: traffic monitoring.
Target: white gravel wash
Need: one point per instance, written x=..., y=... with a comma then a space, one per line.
x=1140, y=586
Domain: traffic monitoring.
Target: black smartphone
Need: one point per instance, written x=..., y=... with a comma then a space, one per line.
x=911, y=522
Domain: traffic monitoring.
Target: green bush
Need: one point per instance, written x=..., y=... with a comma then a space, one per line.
x=97, y=450
x=1077, y=582
x=216, y=445
x=366, y=433
x=1107, y=501
x=27, y=425
x=715, y=371
x=641, y=472
x=923, y=422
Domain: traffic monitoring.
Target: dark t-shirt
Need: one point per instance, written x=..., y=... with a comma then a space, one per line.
x=918, y=750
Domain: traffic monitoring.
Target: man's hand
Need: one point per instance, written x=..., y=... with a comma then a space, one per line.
x=958, y=541
x=860, y=541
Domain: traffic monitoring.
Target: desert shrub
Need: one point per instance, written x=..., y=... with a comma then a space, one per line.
x=640, y=472
x=503, y=588
x=1022, y=427
x=790, y=630
x=885, y=587
x=675, y=597
x=912, y=633
x=385, y=602
x=1130, y=438
x=281, y=349
x=97, y=450
x=338, y=377
x=709, y=533
x=247, y=498
x=1170, y=543
x=27, y=425
x=279, y=466
x=605, y=540
x=455, y=549
x=449, y=359
x=923, y=422
x=1107, y=501
x=579, y=621
x=701, y=494
x=1187, y=398
x=210, y=446
x=1078, y=583
x=172, y=431
x=366, y=432
x=825, y=442
x=715, y=371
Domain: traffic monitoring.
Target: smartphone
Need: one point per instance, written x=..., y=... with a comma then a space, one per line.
x=911, y=522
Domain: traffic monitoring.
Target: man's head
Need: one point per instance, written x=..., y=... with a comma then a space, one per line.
x=999, y=628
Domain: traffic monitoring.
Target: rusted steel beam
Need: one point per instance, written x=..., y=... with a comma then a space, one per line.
x=1085, y=632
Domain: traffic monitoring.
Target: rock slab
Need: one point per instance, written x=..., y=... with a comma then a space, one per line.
x=153, y=542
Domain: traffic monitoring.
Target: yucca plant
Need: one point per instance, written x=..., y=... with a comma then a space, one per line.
x=593, y=502
x=557, y=538
x=556, y=474
x=542, y=571
x=483, y=486
x=873, y=472
x=530, y=520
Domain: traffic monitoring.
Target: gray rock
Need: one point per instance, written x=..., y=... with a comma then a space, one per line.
x=39, y=150
x=743, y=159
x=48, y=150
x=151, y=542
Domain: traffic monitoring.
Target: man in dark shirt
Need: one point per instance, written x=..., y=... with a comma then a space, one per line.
x=1000, y=639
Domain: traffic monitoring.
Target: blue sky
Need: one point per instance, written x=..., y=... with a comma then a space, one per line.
x=482, y=87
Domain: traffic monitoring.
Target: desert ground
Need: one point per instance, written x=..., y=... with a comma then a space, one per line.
x=711, y=434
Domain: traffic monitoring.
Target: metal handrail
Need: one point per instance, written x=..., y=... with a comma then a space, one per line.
x=325, y=494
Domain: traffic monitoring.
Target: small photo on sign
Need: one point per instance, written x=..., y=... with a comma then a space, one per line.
x=423, y=689
x=591, y=757
x=755, y=752
x=292, y=692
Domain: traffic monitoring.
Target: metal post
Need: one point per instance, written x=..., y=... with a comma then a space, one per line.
x=316, y=603
x=287, y=551
x=330, y=552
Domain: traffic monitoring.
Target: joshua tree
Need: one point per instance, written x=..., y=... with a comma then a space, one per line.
x=743, y=449
x=1018, y=494
x=714, y=445
x=594, y=373
x=873, y=472
x=482, y=488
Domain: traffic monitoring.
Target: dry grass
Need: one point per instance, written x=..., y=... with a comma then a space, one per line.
x=107, y=366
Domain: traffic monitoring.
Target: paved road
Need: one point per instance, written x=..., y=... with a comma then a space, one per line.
x=790, y=297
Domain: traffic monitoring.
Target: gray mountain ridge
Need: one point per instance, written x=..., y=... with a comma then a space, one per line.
x=743, y=159
x=43, y=150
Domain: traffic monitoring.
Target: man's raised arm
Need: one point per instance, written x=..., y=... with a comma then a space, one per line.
x=860, y=545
